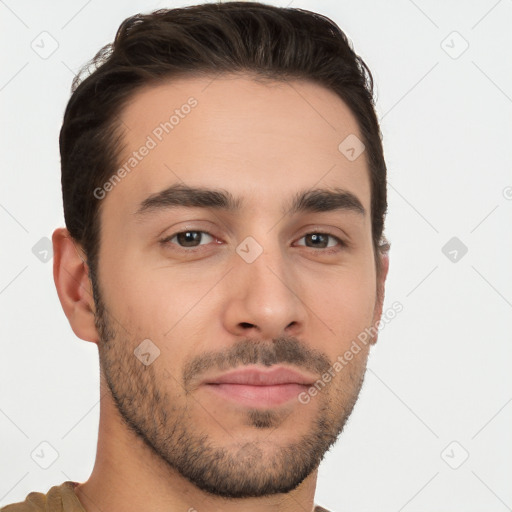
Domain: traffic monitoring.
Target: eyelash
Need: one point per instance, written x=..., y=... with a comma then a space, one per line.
x=341, y=244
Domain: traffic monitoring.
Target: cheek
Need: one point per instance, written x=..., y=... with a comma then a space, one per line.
x=344, y=302
x=135, y=297
x=159, y=303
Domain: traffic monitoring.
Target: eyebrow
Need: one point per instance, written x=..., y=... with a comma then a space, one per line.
x=307, y=200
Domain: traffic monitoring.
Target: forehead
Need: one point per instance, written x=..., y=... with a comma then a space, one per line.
x=260, y=140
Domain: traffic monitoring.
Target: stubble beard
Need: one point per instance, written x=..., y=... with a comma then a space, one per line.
x=236, y=468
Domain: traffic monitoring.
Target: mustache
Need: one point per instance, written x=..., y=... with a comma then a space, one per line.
x=249, y=351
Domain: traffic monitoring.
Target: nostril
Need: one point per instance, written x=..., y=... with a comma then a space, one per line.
x=246, y=325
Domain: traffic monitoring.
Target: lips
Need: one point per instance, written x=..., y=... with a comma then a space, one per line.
x=255, y=387
x=258, y=377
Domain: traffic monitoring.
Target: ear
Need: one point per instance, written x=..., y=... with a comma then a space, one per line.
x=74, y=288
x=379, y=302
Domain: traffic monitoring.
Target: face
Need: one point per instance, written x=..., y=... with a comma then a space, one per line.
x=218, y=312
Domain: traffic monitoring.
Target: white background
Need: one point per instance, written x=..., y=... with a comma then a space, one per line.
x=440, y=371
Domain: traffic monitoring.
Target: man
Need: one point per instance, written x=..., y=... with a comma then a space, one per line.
x=224, y=191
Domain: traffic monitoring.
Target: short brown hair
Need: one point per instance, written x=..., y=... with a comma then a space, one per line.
x=207, y=39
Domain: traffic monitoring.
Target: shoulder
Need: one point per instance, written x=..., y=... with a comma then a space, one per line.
x=34, y=502
x=60, y=498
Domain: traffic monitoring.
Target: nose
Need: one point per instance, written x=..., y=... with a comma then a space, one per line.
x=264, y=298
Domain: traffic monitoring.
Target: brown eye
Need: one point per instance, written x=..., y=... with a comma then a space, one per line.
x=321, y=240
x=187, y=239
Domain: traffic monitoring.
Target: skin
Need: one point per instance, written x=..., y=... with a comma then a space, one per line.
x=250, y=139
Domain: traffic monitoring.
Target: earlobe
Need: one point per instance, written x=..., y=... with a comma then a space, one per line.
x=74, y=288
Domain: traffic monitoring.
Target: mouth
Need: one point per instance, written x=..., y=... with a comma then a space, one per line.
x=257, y=387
